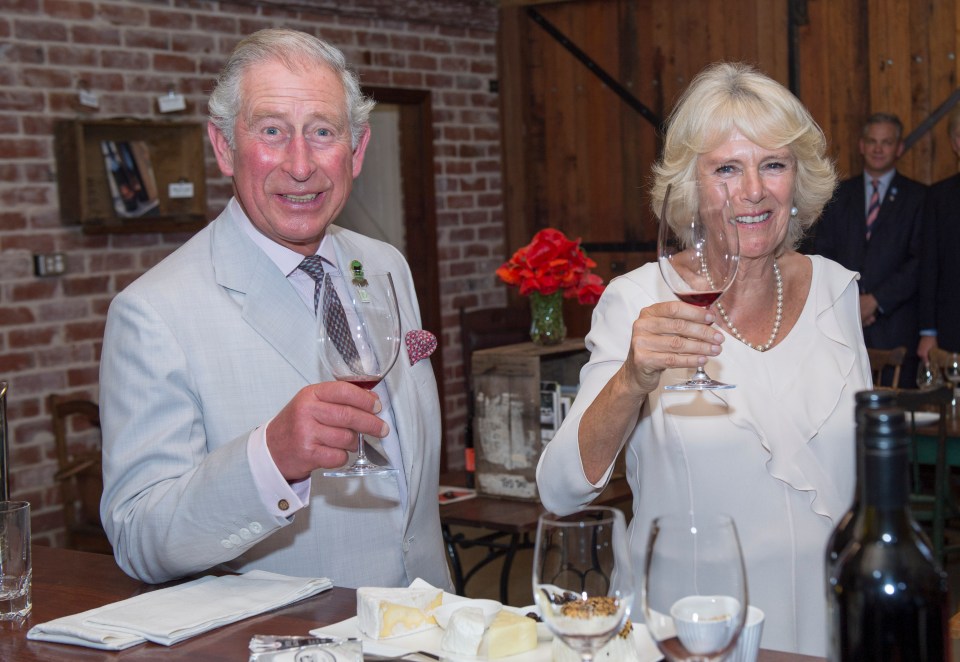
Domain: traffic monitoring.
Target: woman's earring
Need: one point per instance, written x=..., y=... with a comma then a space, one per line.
x=794, y=211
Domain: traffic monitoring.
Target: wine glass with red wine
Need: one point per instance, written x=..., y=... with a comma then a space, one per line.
x=358, y=335
x=699, y=251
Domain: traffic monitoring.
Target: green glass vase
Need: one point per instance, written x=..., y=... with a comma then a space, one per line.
x=546, y=315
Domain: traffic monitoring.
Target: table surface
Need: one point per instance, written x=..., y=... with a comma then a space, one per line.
x=512, y=516
x=66, y=582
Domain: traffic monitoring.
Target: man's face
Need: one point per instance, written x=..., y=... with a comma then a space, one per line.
x=880, y=148
x=292, y=166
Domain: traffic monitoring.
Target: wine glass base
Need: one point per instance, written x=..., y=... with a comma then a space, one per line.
x=699, y=385
x=359, y=470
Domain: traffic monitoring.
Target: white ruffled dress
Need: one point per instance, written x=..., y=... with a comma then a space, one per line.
x=776, y=452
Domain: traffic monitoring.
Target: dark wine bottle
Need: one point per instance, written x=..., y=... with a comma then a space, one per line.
x=887, y=597
x=842, y=534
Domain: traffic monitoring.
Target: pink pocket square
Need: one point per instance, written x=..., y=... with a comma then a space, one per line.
x=420, y=345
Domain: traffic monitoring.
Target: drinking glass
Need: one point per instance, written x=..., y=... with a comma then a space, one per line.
x=358, y=333
x=582, y=578
x=695, y=587
x=952, y=372
x=698, y=250
x=928, y=376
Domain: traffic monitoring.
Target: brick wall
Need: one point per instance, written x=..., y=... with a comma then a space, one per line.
x=130, y=51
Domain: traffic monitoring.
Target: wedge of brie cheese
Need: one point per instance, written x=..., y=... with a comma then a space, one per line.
x=510, y=634
x=393, y=612
x=464, y=631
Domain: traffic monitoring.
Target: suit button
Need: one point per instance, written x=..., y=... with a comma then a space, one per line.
x=245, y=534
x=234, y=538
x=255, y=527
x=226, y=544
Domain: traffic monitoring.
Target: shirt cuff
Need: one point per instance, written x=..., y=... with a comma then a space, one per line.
x=282, y=499
x=928, y=332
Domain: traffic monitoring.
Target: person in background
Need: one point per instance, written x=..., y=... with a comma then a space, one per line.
x=940, y=261
x=216, y=412
x=873, y=226
x=776, y=452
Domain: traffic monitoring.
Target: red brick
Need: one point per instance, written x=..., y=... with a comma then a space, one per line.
x=95, y=34
x=151, y=39
x=122, y=14
x=34, y=337
x=78, y=331
x=124, y=59
x=39, y=30
x=169, y=20
x=177, y=63
x=76, y=10
x=21, y=100
x=37, y=289
x=33, y=77
x=11, y=362
x=77, y=287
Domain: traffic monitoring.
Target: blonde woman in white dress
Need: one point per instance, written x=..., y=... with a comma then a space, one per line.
x=777, y=451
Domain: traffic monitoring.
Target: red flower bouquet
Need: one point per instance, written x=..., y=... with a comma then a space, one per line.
x=551, y=262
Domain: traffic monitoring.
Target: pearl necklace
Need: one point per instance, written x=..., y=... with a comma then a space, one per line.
x=776, y=322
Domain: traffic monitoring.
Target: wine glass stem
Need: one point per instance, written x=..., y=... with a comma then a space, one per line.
x=361, y=453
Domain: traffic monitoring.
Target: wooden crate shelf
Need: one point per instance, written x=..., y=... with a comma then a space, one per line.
x=176, y=155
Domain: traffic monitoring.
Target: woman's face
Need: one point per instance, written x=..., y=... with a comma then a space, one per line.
x=760, y=182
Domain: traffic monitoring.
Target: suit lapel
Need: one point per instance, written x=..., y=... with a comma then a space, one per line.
x=857, y=226
x=270, y=304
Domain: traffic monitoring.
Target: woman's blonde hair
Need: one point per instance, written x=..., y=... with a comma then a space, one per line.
x=727, y=97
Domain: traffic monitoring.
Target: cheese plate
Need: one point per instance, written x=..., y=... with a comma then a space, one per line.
x=428, y=641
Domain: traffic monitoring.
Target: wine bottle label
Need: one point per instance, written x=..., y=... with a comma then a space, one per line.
x=470, y=459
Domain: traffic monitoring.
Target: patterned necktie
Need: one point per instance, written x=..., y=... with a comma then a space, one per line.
x=874, y=207
x=333, y=316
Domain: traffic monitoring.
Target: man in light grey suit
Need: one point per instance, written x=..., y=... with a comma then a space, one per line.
x=215, y=410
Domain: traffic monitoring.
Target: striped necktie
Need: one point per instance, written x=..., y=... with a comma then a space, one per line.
x=873, y=209
x=335, y=319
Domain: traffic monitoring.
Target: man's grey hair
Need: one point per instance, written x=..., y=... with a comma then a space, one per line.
x=297, y=51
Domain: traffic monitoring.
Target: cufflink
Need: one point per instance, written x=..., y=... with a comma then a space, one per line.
x=283, y=504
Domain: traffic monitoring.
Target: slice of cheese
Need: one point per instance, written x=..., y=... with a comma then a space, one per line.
x=393, y=612
x=511, y=634
x=464, y=631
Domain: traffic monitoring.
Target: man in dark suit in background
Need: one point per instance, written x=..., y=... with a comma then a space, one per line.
x=940, y=260
x=873, y=226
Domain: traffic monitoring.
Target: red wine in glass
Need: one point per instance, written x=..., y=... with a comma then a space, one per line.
x=363, y=382
x=702, y=299
x=698, y=250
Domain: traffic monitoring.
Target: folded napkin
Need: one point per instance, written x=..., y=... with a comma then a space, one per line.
x=170, y=615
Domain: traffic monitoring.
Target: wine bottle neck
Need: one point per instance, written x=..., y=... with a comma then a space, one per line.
x=885, y=483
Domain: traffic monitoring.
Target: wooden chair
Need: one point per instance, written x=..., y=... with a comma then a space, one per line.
x=881, y=359
x=80, y=474
x=933, y=506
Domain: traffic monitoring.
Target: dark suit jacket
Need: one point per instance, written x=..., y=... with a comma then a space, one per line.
x=940, y=264
x=889, y=263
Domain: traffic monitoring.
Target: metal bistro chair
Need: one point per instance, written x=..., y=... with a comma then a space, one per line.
x=881, y=359
x=80, y=472
x=932, y=506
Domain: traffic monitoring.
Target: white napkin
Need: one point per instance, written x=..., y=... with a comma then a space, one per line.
x=170, y=615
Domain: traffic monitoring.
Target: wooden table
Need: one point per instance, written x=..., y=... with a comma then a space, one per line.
x=509, y=524
x=66, y=582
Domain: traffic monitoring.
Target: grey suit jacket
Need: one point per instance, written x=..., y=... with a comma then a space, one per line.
x=198, y=352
